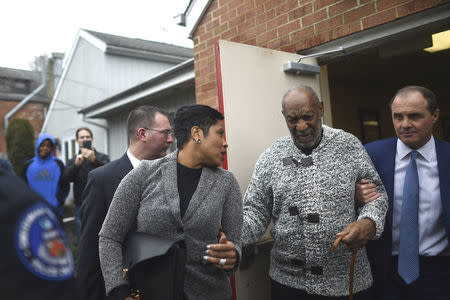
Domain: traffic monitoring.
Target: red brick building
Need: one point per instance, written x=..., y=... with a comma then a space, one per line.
x=16, y=85
x=383, y=42
x=385, y=36
x=19, y=85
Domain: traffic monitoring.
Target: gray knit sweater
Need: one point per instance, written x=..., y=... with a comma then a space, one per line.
x=148, y=197
x=308, y=206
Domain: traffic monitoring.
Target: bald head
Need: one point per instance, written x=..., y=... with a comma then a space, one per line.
x=301, y=89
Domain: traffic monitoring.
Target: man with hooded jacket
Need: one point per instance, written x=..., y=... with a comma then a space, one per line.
x=43, y=173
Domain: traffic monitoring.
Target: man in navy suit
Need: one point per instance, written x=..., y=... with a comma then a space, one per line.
x=150, y=136
x=414, y=113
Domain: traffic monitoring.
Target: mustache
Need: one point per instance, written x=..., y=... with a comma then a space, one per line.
x=408, y=130
x=304, y=132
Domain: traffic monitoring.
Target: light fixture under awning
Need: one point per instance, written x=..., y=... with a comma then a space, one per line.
x=441, y=41
x=297, y=68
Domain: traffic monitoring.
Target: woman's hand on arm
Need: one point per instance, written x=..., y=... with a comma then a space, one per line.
x=223, y=250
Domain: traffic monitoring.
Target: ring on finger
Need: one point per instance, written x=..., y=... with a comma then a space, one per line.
x=222, y=261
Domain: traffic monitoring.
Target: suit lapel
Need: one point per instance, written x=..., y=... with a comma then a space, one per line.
x=390, y=175
x=206, y=182
x=169, y=181
x=125, y=166
x=123, y=169
x=443, y=160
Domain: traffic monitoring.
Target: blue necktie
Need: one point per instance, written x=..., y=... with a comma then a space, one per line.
x=408, y=252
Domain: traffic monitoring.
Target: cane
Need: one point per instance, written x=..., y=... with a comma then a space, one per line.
x=352, y=265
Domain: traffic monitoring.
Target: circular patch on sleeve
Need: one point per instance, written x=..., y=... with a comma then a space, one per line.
x=41, y=244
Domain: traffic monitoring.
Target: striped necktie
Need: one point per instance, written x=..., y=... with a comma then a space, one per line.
x=408, y=252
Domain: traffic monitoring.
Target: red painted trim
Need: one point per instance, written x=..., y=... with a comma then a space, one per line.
x=220, y=92
x=221, y=109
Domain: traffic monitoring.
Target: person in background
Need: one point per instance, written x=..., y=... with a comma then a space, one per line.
x=412, y=258
x=35, y=258
x=145, y=144
x=43, y=173
x=305, y=183
x=79, y=166
x=184, y=195
x=6, y=165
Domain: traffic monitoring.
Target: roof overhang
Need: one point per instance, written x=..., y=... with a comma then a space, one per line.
x=433, y=20
x=19, y=97
x=179, y=75
x=123, y=51
x=416, y=28
x=114, y=50
x=194, y=14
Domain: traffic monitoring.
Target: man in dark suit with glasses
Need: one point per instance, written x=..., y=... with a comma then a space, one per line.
x=150, y=136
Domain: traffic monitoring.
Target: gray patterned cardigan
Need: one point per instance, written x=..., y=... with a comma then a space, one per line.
x=148, y=195
x=309, y=205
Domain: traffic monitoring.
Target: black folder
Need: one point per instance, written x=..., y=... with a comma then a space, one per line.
x=156, y=266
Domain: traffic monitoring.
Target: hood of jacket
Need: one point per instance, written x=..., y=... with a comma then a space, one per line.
x=43, y=137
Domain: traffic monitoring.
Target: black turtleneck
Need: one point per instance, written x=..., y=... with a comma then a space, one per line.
x=187, y=181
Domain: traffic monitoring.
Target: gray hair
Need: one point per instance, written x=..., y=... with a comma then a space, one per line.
x=302, y=87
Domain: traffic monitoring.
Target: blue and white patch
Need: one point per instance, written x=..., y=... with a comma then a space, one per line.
x=41, y=244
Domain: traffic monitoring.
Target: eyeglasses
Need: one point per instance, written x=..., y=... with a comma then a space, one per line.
x=165, y=132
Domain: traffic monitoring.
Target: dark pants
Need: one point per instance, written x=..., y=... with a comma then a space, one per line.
x=282, y=292
x=432, y=284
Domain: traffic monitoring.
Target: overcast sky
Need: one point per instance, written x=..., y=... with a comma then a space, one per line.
x=30, y=28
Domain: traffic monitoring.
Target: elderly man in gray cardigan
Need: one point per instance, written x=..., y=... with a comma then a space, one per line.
x=305, y=183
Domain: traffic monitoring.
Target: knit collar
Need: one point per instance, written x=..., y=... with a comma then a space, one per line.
x=327, y=135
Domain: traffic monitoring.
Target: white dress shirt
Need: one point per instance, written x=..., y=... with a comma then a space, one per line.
x=432, y=235
x=134, y=161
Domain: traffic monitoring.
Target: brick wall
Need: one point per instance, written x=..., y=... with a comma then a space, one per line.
x=286, y=25
x=33, y=112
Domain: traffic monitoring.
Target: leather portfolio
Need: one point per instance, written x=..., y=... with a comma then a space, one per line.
x=155, y=266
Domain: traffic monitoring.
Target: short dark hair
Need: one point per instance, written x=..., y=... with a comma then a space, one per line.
x=142, y=116
x=429, y=96
x=187, y=117
x=83, y=128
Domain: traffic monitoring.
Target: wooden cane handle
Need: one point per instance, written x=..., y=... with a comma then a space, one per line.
x=336, y=242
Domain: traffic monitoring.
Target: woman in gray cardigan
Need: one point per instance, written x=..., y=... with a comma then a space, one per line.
x=183, y=195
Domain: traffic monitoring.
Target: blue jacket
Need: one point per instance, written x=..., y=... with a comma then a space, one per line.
x=43, y=175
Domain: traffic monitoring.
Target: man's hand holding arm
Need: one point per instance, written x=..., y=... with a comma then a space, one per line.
x=365, y=192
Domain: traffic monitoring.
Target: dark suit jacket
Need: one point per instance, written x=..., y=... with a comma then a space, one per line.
x=78, y=175
x=379, y=251
x=101, y=185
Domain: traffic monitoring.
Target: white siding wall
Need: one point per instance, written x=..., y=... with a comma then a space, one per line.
x=83, y=85
x=124, y=72
x=93, y=76
x=118, y=141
